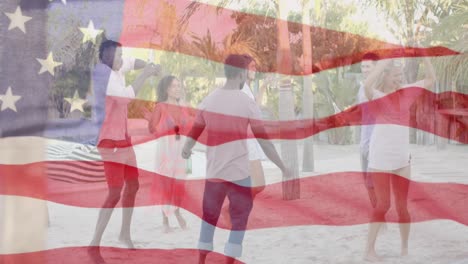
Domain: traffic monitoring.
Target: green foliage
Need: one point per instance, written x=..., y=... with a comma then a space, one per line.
x=451, y=32
x=197, y=89
x=75, y=75
x=408, y=19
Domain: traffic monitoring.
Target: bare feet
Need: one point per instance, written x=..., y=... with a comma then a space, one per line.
x=372, y=257
x=95, y=254
x=202, y=256
x=404, y=251
x=181, y=221
x=127, y=242
x=167, y=229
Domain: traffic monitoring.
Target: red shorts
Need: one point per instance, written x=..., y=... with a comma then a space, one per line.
x=119, y=162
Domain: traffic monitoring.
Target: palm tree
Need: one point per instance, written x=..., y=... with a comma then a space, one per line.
x=451, y=32
x=291, y=187
x=307, y=94
x=207, y=47
x=452, y=71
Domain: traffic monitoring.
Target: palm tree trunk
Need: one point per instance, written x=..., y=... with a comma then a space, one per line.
x=307, y=94
x=289, y=154
x=441, y=122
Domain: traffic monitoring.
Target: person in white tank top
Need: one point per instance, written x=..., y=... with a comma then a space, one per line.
x=389, y=147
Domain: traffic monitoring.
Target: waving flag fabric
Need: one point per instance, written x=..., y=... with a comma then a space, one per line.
x=52, y=181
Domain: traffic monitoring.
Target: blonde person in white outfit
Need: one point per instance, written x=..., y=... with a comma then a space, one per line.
x=389, y=148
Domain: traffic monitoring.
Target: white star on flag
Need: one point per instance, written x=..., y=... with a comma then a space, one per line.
x=48, y=64
x=9, y=100
x=90, y=33
x=76, y=102
x=17, y=20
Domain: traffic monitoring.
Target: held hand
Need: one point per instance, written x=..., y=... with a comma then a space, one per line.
x=148, y=70
x=151, y=69
x=158, y=69
x=186, y=153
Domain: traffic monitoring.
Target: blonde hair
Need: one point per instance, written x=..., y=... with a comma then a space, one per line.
x=380, y=81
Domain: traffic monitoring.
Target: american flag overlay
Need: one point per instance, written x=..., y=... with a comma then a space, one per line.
x=226, y=131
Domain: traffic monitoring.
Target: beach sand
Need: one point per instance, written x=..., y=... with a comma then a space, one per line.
x=439, y=241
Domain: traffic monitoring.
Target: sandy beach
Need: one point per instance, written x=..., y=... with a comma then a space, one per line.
x=439, y=241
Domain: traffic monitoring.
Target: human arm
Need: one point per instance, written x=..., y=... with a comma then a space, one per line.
x=153, y=119
x=258, y=129
x=193, y=135
x=270, y=151
x=371, y=81
x=140, y=64
x=130, y=64
x=429, y=76
x=148, y=71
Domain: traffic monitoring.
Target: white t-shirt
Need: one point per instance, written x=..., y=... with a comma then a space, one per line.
x=389, y=143
x=228, y=161
x=111, y=97
x=255, y=151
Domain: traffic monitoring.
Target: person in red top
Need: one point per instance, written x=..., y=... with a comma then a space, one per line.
x=169, y=119
x=111, y=97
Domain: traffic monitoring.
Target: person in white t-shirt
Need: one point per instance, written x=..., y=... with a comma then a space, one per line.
x=256, y=154
x=224, y=115
x=111, y=99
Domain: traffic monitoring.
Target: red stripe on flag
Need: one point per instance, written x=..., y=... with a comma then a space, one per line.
x=330, y=199
x=79, y=255
x=437, y=122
